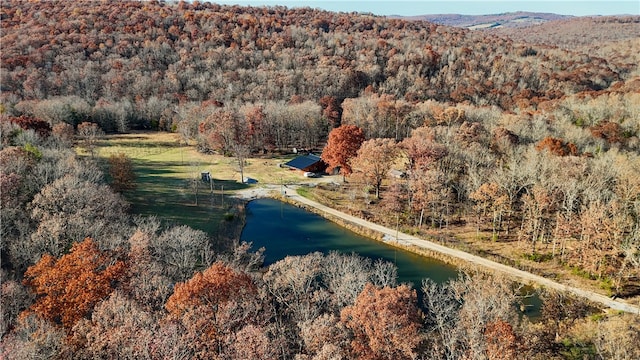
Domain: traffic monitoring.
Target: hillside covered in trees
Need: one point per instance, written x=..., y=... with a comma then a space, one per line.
x=129, y=63
x=519, y=19
x=529, y=145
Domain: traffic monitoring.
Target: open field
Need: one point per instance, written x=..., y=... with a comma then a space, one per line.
x=167, y=171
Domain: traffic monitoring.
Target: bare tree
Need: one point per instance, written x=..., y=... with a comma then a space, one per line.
x=182, y=250
x=70, y=209
x=90, y=133
x=442, y=316
x=618, y=337
x=346, y=275
x=15, y=298
x=119, y=328
x=227, y=132
x=458, y=313
x=35, y=338
x=295, y=284
x=324, y=336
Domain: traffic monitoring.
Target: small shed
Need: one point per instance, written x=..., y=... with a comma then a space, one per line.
x=307, y=163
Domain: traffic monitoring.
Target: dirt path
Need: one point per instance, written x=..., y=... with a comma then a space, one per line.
x=405, y=239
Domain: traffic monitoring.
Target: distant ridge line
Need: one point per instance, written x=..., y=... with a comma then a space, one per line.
x=510, y=19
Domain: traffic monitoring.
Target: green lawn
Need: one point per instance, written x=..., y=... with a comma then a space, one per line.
x=167, y=169
x=166, y=172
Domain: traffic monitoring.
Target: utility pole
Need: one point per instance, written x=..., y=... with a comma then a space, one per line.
x=213, y=199
x=195, y=182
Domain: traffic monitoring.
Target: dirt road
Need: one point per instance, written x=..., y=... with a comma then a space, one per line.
x=523, y=276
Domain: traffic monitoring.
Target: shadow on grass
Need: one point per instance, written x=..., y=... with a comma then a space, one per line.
x=148, y=168
x=167, y=189
x=131, y=143
x=229, y=185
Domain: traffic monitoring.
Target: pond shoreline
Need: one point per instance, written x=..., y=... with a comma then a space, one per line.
x=374, y=235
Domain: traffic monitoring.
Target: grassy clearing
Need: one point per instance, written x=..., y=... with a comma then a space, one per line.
x=167, y=171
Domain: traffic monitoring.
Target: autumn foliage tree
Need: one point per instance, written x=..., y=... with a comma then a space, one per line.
x=331, y=110
x=212, y=306
x=212, y=287
x=557, y=146
x=25, y=122
x=68, y=288
x=374, y=160
x=480, y=104
x=231, y=134
x=502, y=342
x=385, y=323
x=423, y=149
x=121, y=171
x=63, y=132
x=427, y=181
x=342, y=146
x=608, y=131
x=489, y=198
x=218, y=131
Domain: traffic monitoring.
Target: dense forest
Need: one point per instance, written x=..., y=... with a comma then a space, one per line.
x=534, y=143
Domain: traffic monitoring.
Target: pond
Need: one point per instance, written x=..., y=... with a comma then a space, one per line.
x=285, y=230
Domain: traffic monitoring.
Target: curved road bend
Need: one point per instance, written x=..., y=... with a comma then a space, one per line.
x=523, y=276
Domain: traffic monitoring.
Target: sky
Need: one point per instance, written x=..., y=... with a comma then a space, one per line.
x=466, y=7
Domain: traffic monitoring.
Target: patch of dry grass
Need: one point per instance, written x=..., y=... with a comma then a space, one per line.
x=183, y=160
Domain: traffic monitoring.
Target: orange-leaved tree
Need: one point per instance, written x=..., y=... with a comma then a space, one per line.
x=212, y=287
x=331, y=110
x=211, y=307
x=385, y=323
x=121, y=171
x=26, y=122
x=68, y=288
x=342, y=146
x=502, y=341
